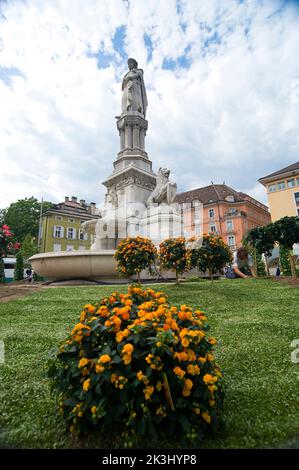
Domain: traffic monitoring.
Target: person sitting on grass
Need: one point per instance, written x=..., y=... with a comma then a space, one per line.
x=243, y=264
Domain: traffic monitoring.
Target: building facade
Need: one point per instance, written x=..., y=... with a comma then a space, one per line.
x=282, y=188
x=61, y=226
x=225, y=211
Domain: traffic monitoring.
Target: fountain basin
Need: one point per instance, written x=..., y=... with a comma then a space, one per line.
x=93, y=265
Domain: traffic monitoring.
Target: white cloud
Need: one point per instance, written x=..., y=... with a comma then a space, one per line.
x=227, y=111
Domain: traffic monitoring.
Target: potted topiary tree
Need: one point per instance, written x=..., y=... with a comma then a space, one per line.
x=173, y=256
x=212, y=255
x=134, y=254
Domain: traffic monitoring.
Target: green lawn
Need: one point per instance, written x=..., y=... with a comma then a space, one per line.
x=254, y=321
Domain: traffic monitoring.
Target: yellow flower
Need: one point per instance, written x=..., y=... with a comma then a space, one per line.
x=185, y=342
x=188, y=384
x=86, y=385
x=93, y=410
x=212, y=341
x=206, y=417
x=197, y=411
x=127, y=349
x=104, y=358
x=148, y=391
x=179, y=372
x=83, y=362
x=99, y=368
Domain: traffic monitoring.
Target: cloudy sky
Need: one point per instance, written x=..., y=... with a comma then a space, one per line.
x=222, y=79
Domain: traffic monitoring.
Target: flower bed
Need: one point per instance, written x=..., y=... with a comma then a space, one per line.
x=136, y=364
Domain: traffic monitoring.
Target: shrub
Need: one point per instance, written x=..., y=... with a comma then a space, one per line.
x=19, y=267
x=135, y=366
x=284, y=259
x=135, y=254
x=173, y=256
x=212, y=255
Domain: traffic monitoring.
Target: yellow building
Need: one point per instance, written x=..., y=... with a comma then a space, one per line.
x=62, y=226
x=283, y=191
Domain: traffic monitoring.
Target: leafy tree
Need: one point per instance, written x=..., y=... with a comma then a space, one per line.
x=173, y=256
x=2, y=215
x=212, y=255
x=262, y=240
x=23, y=217
x=133, y=254
x=285, y=232
x=29, y=248
x=284, y=258
x=259, y=265
x=19, y=267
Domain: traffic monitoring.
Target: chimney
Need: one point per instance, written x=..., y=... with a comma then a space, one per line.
x=66, y=199
x=74, y=199
x=82, y=202
x=92, y=208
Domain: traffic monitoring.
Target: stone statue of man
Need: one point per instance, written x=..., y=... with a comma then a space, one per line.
x=134, y=94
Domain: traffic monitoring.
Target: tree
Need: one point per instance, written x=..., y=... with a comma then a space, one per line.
x=23, y=217
x=29, y=248
x=262, y=240
x=284, y=259
x=134, y=254
x=19, y=267
x=173, y=256
x=212, y=255
x=285, y=232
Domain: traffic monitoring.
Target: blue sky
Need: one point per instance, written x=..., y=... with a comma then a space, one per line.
x=222, y=78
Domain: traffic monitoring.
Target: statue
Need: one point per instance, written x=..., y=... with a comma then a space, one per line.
x=134, y=94
x=164, y=190
x=111, y=198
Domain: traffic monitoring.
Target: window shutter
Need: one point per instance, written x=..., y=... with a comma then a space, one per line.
x=62, y=232
x=74, y=234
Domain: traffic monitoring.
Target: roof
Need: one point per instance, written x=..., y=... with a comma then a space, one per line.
x=72, y=208
x=216, y=193
x=294, y=167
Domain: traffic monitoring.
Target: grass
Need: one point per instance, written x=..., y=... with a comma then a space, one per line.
x=254, y=321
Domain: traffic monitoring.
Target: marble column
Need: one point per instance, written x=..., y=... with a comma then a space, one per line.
x=136, y=143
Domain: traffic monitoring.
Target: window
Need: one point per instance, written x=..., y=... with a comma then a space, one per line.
x=230, y=198
x=232, y=210
x=71, y=220
x=71, y=233
x=291, y=183
x=229, y=225
x=58, y=217
x=211, y=213
x=231, y=240
x=56, y=247
x=296, y=196
x=281, y=185
x=82, y=235
x=272, y=188
x=297, y=181
x=58, y=231
x=213, y=228
x=69, y=247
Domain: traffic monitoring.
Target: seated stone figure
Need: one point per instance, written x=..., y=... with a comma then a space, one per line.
x=164, y=190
